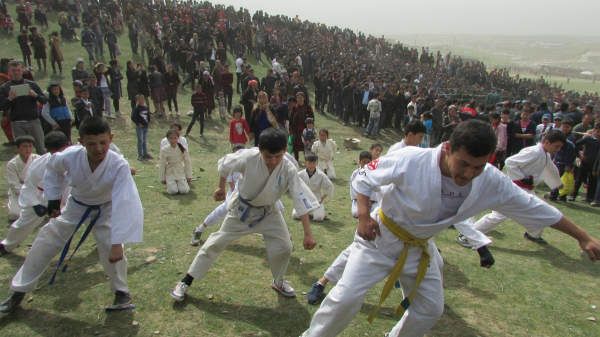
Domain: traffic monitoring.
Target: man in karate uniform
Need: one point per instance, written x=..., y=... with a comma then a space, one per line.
x=525, y=169
x=316, y=181
x=31, y=198
x=103, y=194
x=395, y=240
x=252, y=208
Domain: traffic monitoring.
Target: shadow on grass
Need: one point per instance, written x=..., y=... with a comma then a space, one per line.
x=451, y=324
x=49, y=324
x=556, y=258
x=290, y=312
x=183, y=199
x=579, y=206
x=455, y=278
x=327, y=224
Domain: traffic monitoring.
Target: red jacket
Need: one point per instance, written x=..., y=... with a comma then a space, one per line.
x=198, y=99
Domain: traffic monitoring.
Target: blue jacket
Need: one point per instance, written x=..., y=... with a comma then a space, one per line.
x=60, y=113
x=566, y=155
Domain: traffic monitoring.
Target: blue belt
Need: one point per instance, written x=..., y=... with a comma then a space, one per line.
x=247, y=210
x=65, y=250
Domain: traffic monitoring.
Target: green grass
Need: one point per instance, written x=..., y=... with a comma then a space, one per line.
x=531, y=291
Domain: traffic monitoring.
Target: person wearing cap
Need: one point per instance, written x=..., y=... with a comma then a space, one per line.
x=249, y=98
x=78, y=73
x=251, y=77
x=545, y=126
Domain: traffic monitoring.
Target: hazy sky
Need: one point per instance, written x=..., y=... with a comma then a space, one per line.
x=442, y=17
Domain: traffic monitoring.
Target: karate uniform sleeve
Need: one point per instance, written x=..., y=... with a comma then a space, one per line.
x=303, y=198
x=515, y=162
x=188, y=164
x=233, y=162
x=529, y=211
x=551, y=176
x=127, y=213
x=383, y=171
x=334, y=147
x=54, y=177
x=162, y=164
x=315, y=148
x=12, y=177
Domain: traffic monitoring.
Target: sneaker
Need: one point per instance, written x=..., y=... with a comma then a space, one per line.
x=315, y=293
x=344, y=124
x=186, y=134
x=3, y=250
x=141, y=158
x=195, y=238
x=366, y=134
x=595, y=204
x=147, y=156
x=118, y=113
x=382, y=131
x=178, y=293
x=563, y=198
x=122, y=299
x=160, y=114
x=170, y=113
x=463, y=241
x=11, y=302
x=285, y=289
x=548, y=197
x=571, y=198
x=177, y=113
x=536, y=240
x=586, y=200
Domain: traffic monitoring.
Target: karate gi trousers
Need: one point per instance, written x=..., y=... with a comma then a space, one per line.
x=20, y=229
x=54, y=235
x=178, y=186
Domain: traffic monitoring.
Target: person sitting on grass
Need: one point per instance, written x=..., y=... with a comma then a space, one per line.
x=175, y=166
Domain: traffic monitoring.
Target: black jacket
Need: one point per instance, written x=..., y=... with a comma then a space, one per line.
x=22, y=108
x=97, y=99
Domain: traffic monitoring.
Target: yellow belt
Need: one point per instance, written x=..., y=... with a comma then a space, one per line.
x=408, y=239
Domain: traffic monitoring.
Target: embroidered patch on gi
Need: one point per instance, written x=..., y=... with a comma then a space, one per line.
x=373, y=165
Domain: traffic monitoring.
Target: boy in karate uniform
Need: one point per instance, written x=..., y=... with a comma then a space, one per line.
x=364, y=158
x=316, y=181
x=252, y=208
x=414, y=132
x=16, y=169
x=395, y=240
x=103, y=194
x=526, y=169
x=31, y=198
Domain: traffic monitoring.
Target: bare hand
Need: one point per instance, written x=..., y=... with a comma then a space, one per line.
x=12, y=94
x=55, y=214
x=568, y=169
x=133, y=171
x=189, y=180
x=561, y=187
x=116, y=254
x=309, y=242
x=368, y=228
x=54, y=127
x=164, y=182
x=591, y=248
x=219, y=194
x=583, y=158
x=32, y=93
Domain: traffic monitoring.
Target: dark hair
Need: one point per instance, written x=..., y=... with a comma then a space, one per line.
x=238, y=108
x=554, y=136
x=506, y=111
x=564, y=106
x=494, y=115
x=93, y=126
x=427, y=115
x=84, y=90
x=476, y=137
x=311, y=158
x=24, y=139
x=590, y=107
x=365, y=154
x=597, y=126
x=75, y=99
x=273, y=140
x=238, y=146
x=415, y=127
x=14, y=63
x=568, y=121
x=324, y=130
x=543, y=105
x=375, y=95
x=55, y=141
x=292, y=99
x=177, y=125
x=374, y=145
x=173, y=132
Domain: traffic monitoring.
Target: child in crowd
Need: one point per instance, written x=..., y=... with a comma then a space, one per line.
x=364, y=158
x=84, y=107
x=141, y=118
x=175, y=167
x=199, y=104
x=325, y=148
x=414, y=132
x=316, y=181
x=238, y=127
x=376, y=150
x=222, y=105
x=540, y=130
x=427, y=120
x=103, y=194
x=177, y=127
x=56, y=110
x=31, y=198
x=16, y=169
x=374, y=108
x=411, y=115
x=266, y=176
x=309, y=135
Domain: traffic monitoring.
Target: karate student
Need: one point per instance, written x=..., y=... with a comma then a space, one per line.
x=16, y=169
x=526, y=169
x=316, y=181
x=364, y=158
x=177, y=127
x=31, y=198
x=410, y=213
x=414, y=132
x=103, y=194
x=252, y=208
x=175, y=166
x=325, y=149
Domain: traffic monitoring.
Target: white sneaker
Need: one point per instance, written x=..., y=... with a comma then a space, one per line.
x=118, y=113
x=178, y=114
x=178, y=293
x=284, y=290
x=110, y=116
x=170, y=113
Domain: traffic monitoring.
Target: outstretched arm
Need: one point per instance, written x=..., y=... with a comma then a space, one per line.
x=590, y=245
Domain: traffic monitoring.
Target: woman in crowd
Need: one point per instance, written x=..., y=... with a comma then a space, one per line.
x=115, y=80
x=172, y=82
x=39, y=47
x=56, y=55
x=104, y=84
x=298, y=115
x=262, y=117
x=132, y=83
x=24, y=43
x=208, y=88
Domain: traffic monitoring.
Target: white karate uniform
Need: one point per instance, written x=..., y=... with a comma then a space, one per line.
x=175, y=168
x=16, y=170
x=31, y=195
x=354, y=208
x=111, y=187
x=164, y=142
x=530, y=161
x=397, y=146
x=411, y=204
x=262, y=190
x=316, y=184
x=325, y=151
